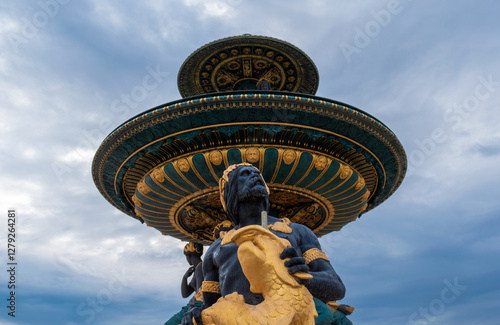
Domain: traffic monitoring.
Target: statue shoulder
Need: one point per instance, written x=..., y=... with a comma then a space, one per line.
x=306, y=237
x=286, y=226
x=213, y=246
x=299, y=229
x=209, y=255
x=303, y=236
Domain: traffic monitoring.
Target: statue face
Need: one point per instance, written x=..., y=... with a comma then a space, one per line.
x=289, y=156
x=192, y=258
x=250, y=183
x=215, y=157
x=189, y=259
x=252, y=155
x=183, y=165
x=245, y=184
x=321, y=163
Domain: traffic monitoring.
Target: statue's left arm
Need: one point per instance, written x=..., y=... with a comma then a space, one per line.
x=210, y=286
x=325, y=284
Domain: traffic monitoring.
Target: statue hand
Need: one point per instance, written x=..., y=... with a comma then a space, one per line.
x=345, y=309
x=193, y=313
x=189, y=271
x=296, y=263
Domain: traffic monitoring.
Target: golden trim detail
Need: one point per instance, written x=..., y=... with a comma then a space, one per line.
x=252, y=155
x=215, y=157
x=314, y=254
x=279, y=158
x=191, y=248
x=164, y=215
x=183, y=165
x=281, y=226
x=289, y=156
x=210, y=287
x=242, y=123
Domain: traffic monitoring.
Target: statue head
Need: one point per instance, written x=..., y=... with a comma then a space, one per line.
x=239, y=183
x=193, y=249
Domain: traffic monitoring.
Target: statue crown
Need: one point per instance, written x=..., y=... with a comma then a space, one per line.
x=191, y=247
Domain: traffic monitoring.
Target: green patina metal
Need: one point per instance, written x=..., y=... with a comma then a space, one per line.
x=162, y=166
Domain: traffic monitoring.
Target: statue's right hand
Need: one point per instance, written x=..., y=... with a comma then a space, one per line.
x=192, y=317
x=296, y=264
x=189, y=272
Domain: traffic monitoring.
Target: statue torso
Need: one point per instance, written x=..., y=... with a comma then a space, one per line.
x=231, y=275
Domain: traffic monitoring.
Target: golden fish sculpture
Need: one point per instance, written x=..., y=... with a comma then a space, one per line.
x=285, y=300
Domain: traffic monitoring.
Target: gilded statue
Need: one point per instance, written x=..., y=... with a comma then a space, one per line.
x=261, y=259
x=285, y=301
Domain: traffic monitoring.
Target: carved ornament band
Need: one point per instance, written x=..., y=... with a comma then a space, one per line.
x=210, y=286
x=313, y=254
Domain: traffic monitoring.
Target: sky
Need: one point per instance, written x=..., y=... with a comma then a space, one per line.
x=429, y=70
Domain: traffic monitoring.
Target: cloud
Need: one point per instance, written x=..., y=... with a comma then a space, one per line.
x=70, y=79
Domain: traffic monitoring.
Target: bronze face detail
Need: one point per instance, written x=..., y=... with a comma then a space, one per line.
x=289, y=156
x=321, y=163
x=252, y=155
x=183, y=165
x=215, y=157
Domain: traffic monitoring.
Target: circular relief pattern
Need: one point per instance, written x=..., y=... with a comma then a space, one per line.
x=215, y=157
x=183, y=165
x=233, y=66
x=252, y=155
x=261, y=64
x=240, y=62
x=289, y=156
x=243, y=72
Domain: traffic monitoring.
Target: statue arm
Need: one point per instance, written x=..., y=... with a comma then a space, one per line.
x=186, y=289
x=325, y=284
x=210, y=287
x=209, y=273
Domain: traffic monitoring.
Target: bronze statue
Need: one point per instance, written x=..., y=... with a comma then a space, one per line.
x=285, y=301
x=193, y=252
x=245, y=197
